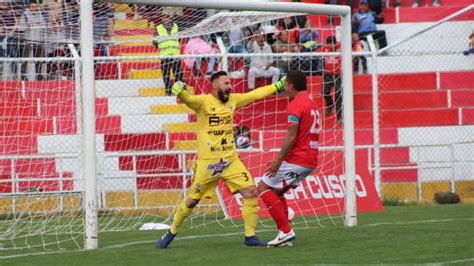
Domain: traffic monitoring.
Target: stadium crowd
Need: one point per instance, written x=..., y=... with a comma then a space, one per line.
x=44, y=28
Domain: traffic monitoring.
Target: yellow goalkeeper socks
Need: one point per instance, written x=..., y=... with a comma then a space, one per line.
x=250, y=215
x=181, y=213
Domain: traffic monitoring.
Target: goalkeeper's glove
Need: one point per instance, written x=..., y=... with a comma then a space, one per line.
x=178, y=87
x=280, y=85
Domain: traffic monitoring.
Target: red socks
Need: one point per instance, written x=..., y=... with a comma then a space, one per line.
x=284, y=204
x=277, y=208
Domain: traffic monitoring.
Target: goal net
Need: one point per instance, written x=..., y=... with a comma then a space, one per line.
x=145, y=138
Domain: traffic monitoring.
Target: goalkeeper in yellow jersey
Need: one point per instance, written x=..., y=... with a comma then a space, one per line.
x=217, y=156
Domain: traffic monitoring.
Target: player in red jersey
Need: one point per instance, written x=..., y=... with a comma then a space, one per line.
x=298, y=156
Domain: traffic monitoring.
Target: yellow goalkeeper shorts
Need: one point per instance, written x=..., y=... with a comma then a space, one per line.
x=208, y=172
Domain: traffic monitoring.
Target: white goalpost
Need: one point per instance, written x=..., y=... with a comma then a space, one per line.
x=350, y=218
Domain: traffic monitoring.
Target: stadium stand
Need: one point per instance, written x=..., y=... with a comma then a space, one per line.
x=38, y=111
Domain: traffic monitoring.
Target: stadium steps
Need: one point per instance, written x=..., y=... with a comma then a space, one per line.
x=185, y=145
x=171, y=109
x=40, y=204
x=110, y=70
x=404, y=100
x=152, y=92
x=180, y=127
x=462, y=98
x=33, y=168
x=135, y=142
x=18, y=145
x=123, y=8
x=457, y=80
x=145, y=74
x=128, y=32
x=134, y=40
x=140, y=60
x=125, y=88
x=125, y=24
x=408, y=191
x=467, y=116
x=151, y=122
x=430, y=14
x=115, y=50
x=138, y=105
x=159, y=91
x=408, y=3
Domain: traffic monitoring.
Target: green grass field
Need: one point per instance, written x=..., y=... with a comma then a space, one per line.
x=399, y=235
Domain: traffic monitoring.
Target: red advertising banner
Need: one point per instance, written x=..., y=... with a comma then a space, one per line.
x=320, y=193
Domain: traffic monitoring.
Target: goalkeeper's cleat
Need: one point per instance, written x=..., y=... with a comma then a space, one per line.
x=280, y=85
x=282, y=238
x=178, y=87
x=254, y=241
x=165, y=240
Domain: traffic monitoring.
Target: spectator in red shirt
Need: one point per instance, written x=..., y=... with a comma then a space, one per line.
x=332, y=78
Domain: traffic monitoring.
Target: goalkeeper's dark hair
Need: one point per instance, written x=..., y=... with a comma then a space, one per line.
x=297, y=78
x=217, y=75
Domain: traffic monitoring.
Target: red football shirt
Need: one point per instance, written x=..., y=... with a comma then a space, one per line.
x=302, y=110
x=332, y=63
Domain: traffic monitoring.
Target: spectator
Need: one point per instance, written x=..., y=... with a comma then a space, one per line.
x=471, y=45
x=236, y=132
x=244, y=140
x=283, y=46
x=358, y=47
x=236, y=40
x=363, y=23
x=33, y=24
x=8, y=35
x=290, y=25
x=169, y=47
x=197, y=46
x=236, y=46
x=332, y=78
x=56, y=45
x=309, y=43
x=103, y=20
x=376, y=6
x=416, y=3
x=71, y=19
x=261, y=66
x=336, y=2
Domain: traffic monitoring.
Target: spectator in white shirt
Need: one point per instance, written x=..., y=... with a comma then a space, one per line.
x=261, y=66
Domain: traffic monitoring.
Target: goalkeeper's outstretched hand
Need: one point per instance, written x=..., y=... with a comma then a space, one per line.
x=280, y=85
x=178, y=87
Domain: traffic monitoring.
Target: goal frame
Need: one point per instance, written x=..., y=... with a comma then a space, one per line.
x=88, y=93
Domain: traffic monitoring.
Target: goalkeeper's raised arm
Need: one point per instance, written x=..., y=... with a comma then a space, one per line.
x=244, y=99
x=192, y=101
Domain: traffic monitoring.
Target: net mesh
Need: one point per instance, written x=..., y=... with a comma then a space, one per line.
x=424, y=110
x=145, y=137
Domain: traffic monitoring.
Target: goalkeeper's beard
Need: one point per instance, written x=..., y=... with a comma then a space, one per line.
x=223, y=96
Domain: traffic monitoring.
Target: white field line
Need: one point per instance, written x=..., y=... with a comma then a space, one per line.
x=115, y=246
